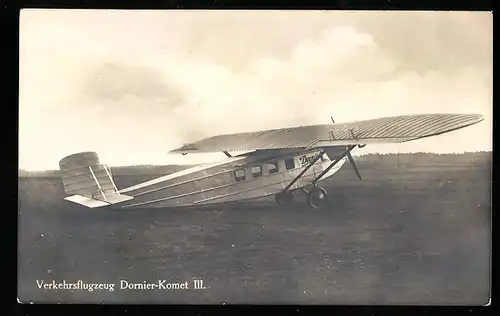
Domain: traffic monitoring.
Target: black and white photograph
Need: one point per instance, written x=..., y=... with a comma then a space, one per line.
x=304, y=157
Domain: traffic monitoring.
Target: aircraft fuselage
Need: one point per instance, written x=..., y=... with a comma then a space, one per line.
x=236, y=178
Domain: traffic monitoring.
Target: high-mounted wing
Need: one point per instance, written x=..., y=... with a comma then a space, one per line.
x=381, y=130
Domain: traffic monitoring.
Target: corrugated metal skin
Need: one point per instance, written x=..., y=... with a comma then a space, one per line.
x=217, y=184
x=81, y=181
x=387, y=129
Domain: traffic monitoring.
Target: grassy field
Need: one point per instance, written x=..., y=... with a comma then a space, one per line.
x=412, y=232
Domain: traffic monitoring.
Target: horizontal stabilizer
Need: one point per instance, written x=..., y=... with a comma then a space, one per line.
x=93, y=203
x=117, y=198
x=85, y=201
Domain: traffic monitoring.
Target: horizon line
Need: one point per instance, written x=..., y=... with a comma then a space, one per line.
x=359, y=155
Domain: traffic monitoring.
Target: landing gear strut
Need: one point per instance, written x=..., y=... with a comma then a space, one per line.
x=284, y=197
x=316, y=197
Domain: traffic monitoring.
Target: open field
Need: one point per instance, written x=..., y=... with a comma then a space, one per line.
x=419, y=233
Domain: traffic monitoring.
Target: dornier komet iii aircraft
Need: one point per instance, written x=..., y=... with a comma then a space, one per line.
x=279, y=162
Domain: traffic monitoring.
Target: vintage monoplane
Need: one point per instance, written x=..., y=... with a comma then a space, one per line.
x=278, y=162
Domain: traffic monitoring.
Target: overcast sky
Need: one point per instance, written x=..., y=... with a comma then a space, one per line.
x=131, y=85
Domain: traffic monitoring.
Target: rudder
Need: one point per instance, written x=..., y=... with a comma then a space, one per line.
x=89, y=182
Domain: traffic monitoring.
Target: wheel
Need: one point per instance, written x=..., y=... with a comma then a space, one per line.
x=316, y=197
x=284, y=198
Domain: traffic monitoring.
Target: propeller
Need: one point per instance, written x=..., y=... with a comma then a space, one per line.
x=354, y=166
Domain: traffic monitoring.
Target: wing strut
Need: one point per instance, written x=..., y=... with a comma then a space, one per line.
x=227, y=154
x=354, y=166
x=97, y=182
x=304, y=171
x=111, y=179
x=345, y=153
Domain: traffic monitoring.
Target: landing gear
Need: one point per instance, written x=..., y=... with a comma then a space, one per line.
x=316, y=197
x=284, y=197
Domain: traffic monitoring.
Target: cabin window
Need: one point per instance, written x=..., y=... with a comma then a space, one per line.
x=239, y=175
x=256, y=171
x=289, y=164
x=272, y=167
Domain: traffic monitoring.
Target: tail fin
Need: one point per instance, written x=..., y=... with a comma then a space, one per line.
x=89, y=182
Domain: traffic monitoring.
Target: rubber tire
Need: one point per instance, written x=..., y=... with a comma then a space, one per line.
x=316, y=198
x=284, y=198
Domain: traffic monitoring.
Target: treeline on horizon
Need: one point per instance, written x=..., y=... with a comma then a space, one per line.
x=479, y=158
